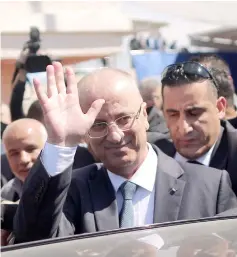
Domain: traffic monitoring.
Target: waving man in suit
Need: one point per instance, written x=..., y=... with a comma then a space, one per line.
x=136, y=184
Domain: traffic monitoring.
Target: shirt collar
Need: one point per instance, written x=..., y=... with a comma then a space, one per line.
x=205, y=159
x=140, y=178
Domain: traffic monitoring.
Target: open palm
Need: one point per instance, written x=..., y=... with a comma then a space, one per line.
x=65, y=122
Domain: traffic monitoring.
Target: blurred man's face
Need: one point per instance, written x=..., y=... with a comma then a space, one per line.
x=22, y=150
x=122, y=151
x=153, y=98
x=193, y=115
x=157, y=98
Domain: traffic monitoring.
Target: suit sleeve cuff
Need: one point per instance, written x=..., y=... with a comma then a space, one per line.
x=56, y=159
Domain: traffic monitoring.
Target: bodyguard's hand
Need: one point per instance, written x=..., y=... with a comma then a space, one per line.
x=65, y=122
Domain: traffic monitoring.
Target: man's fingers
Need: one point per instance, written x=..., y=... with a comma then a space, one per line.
x=71, y=82
x=59, y=77
x=40, y=92
x=51, y=82
x=95, y=109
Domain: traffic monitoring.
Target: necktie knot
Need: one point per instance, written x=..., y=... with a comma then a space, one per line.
x=128, y=190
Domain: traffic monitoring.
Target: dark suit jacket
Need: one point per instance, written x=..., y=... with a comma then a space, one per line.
x=224, y=155
x=8, y=211
x=233, y=122
x=84, y=201
x=6, y=173
x=12, y=190
x=82, y=158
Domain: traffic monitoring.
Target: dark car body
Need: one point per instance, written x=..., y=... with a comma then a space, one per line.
x=200, y=238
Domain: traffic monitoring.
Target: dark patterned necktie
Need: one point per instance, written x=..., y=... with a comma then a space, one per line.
x=128, y=190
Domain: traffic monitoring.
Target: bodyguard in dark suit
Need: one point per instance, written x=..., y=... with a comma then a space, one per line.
x=193, y=111
x=136, y=184
x=223, y=155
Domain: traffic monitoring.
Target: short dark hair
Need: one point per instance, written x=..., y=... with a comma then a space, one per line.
x=222, y=76
x=35, y=111
x=179, y=78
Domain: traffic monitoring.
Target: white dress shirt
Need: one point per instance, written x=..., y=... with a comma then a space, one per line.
x=204, y=159
x=56, y=159
x=143, y=199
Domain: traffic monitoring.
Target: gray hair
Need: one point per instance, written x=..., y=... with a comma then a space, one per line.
x=149, y=85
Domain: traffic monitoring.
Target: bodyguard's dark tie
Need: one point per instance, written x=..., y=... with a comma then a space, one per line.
x=126, y=218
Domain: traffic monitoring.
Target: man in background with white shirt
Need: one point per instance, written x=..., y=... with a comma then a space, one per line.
x=136, y=184
x=193, y=108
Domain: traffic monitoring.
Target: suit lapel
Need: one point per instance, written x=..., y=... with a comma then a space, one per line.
x=230, y=152
x=220, y=152
x=105, y=211
x=168, y=189
x=231, y=135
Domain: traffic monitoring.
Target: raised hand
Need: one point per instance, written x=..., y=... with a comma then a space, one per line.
x=65, y=122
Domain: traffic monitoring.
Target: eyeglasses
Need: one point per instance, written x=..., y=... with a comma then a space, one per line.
x=101, y=129
x=192, y=71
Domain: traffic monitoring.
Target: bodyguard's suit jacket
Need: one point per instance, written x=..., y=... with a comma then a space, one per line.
x=224, y=155
x=85, y=201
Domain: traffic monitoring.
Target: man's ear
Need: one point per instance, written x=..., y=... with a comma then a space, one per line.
x=221, y=107
x=147, y=126
x=144, y=106
x=144, y=112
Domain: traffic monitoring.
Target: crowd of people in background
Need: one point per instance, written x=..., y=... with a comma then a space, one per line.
x=156, y=42
x=111, y=152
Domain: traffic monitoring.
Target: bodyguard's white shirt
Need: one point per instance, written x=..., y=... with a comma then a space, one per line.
x=56, y=159
x=204, y=159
